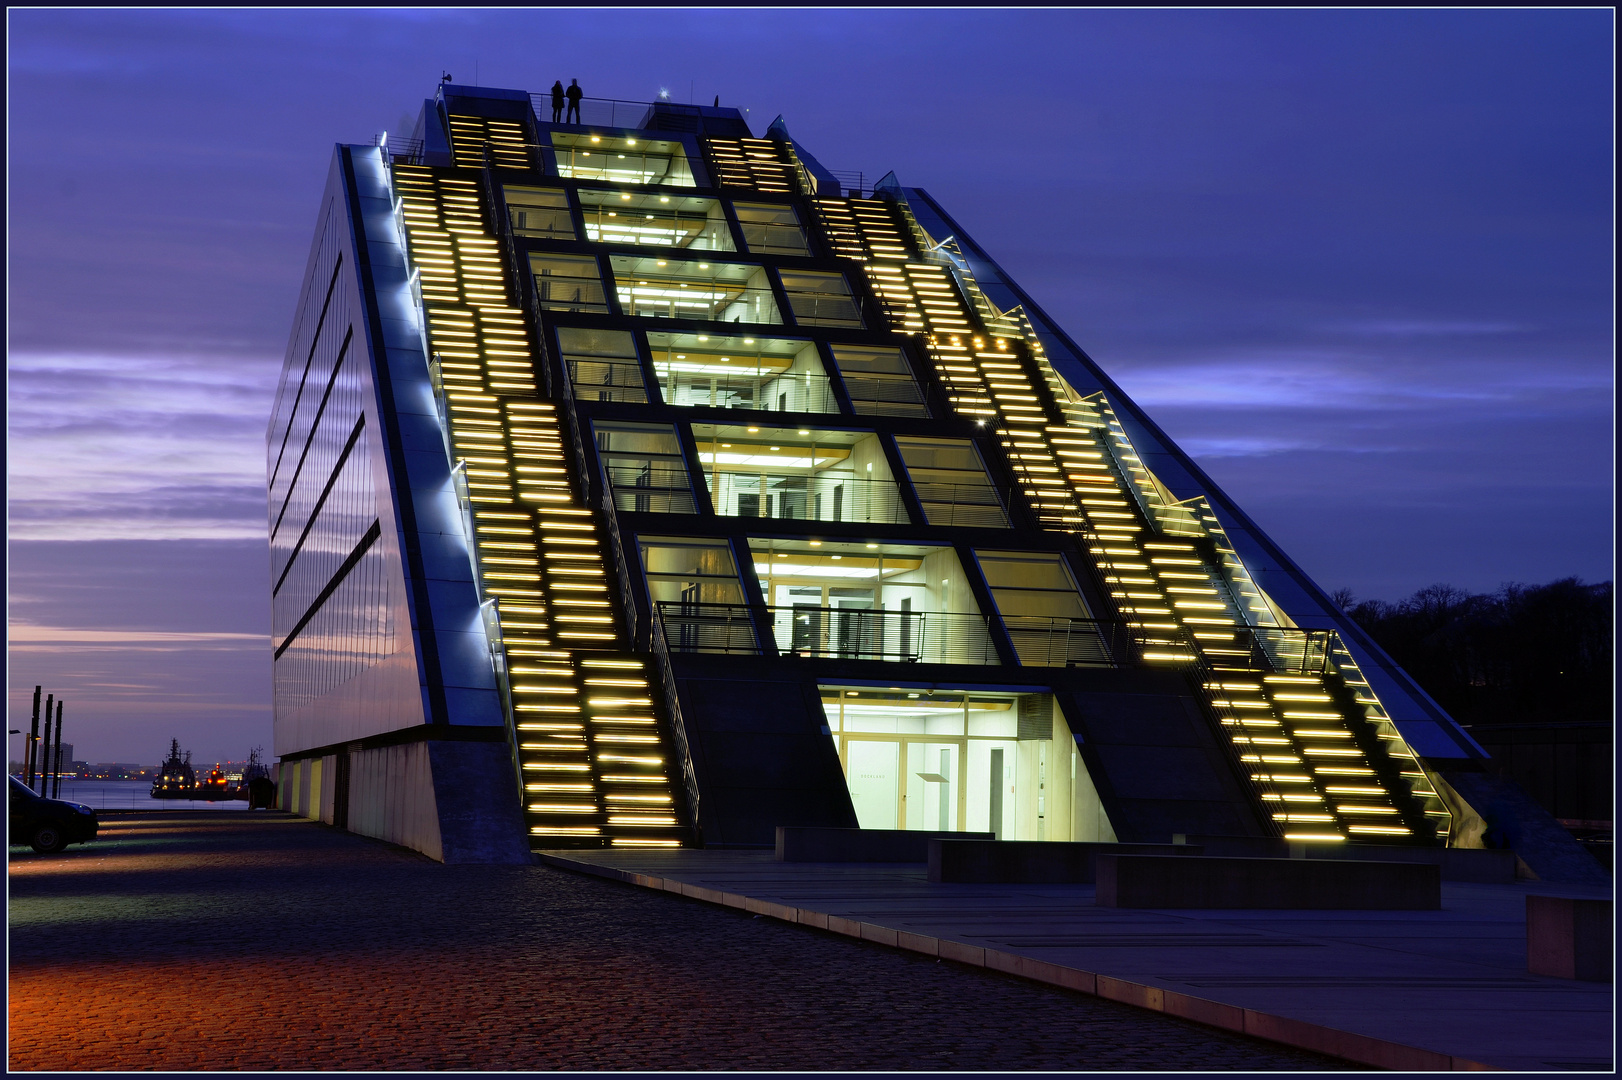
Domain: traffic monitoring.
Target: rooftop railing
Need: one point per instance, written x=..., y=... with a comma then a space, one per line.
x=605, y=112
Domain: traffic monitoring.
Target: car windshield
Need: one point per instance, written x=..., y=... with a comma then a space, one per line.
x=20, y=788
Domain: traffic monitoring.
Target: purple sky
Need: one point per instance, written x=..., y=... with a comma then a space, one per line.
x=1357, y=262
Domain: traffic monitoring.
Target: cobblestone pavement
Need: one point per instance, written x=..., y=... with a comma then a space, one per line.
x=184, y=941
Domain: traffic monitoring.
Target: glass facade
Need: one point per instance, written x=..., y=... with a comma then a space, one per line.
x=332, y=609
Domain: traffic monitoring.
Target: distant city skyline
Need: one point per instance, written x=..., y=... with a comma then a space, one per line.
x=1375, y=241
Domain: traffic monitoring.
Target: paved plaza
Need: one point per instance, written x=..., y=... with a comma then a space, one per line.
x=182, y=940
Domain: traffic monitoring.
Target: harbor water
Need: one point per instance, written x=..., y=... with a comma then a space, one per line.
x=134, y=795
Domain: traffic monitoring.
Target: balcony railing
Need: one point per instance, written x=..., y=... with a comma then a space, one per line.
x=974, y=505
x=807, y=498
x=792, y=391
x=642, y=490
x=1042, y=641
x=930, y=637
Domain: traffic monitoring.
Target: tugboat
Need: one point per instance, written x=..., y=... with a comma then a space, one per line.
x=256, y=785
x=256, y=769
x=177, y=780
x=213, y=786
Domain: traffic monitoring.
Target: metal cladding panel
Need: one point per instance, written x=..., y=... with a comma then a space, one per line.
x=1423, y=723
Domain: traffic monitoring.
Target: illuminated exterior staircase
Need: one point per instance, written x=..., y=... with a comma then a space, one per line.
x=593, y=745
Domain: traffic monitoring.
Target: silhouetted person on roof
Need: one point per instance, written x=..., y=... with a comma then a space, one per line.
x=557, y=102
x=574, y=94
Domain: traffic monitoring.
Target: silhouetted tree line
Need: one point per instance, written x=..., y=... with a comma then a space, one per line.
x=1526, y=654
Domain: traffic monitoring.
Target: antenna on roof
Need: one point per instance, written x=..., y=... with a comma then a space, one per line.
x=444, y=76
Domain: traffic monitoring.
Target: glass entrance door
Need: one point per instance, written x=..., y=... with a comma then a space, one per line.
x=873, y=774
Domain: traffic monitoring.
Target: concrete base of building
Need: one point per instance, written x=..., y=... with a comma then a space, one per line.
x=456, y=801
x=1031, y=862
x=1570, y=938
x=1158, y=881
x=795, y=844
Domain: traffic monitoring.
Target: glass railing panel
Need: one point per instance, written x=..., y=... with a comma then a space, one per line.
x=568, y=283
x=708, y=628
x=819, y=299
x=929, y=637
x=542, y=213
x=644, y=467
x=602, y=365
x=973, y=505
x=885, y=395
x=1060, y=642
x=807, y=498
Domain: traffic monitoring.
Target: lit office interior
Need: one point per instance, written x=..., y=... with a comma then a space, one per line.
x=931, y=759
x=803, y=473
x=746, y=372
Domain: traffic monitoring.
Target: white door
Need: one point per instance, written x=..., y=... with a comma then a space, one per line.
x=872, y=772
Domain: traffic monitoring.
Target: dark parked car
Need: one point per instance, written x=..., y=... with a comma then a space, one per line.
x=48, y=825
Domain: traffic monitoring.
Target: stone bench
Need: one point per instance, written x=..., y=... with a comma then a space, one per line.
x=1569, y=938
x=807, y=844
x=1031, y=861
x=1159, y=881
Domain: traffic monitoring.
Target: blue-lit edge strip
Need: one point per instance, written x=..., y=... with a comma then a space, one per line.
x=1422, y=723
x=433, y=540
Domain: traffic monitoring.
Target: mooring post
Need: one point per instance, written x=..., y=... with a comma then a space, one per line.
x=33, y=744
x=56, y=771
x=42, y=759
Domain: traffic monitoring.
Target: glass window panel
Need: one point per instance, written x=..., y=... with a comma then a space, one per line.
x=771, y=228
x=650, y=219
x=602, y=364
x=871, y=600
x=621, y=159
x=1042, y=609
x=879, y=381
x=952, y=483
x=540, y=212
x=568, y=282
x=689, y=570
x=644, y=466
x=693, y=585
x=689, y=289
x=819, y=299
x=776, y=374
x=798, y=473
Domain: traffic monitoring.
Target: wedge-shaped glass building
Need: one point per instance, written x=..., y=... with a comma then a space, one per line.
x=643, y=482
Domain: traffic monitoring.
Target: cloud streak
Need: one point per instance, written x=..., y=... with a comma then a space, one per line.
x=137, y=447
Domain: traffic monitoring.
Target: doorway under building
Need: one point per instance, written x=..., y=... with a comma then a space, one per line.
x=959, y=760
